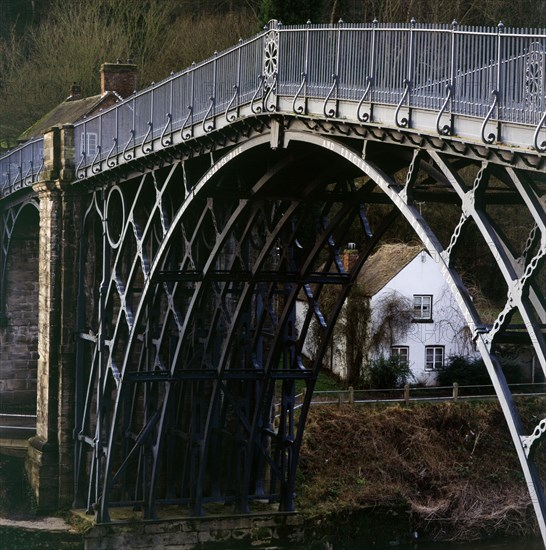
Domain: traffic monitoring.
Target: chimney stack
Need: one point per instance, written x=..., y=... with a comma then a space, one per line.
x=349, y=256
x=120, y=78
x=75, y=92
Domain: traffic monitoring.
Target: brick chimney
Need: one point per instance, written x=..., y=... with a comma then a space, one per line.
x=349, y=256
x=75, y=93
x=120, y=78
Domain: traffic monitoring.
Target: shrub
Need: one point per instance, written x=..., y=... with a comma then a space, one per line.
x=386, y=372
x=473, y=372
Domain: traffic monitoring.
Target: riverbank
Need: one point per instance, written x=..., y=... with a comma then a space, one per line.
x=375, y=473
x=448, y=470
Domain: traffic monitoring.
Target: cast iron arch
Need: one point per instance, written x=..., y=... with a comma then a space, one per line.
x=284, y=463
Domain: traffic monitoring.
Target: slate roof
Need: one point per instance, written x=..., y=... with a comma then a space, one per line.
x=67, y=112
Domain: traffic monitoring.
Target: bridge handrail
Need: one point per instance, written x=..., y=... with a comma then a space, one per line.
x=21, y=166
x=493, y=74
x=472, y=74
x=159, y=101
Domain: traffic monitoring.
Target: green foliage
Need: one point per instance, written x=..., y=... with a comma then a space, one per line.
x=473, y=372
x=325, y=382
x=386, y=372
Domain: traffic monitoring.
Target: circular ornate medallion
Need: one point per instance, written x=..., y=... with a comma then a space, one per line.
x=271, y=58
x=534, y=76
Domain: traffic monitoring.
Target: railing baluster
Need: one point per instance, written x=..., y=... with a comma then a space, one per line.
x=329, y=113
x=169, y=125
x=496, y=93
x=368, y=117
x=97, y=169
x=405, y=122
x=189, y=118
x=210, y=112
x=237, y=87
x=132, y=134
x=447, y=129
x=302, y=110
x=114, y=150
x=150, y=132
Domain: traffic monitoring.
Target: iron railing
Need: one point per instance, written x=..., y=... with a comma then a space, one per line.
x=21, y=167
x=496, y=75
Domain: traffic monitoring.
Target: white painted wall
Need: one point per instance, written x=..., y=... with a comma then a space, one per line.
x=422, y=276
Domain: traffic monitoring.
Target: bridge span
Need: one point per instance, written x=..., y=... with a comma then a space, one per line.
x=152, y=254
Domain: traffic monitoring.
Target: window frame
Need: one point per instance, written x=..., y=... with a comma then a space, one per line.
x=395, y=352
x=422, y=319
x=434, y=366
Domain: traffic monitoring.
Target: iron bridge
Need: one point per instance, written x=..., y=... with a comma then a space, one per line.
x=195, y=213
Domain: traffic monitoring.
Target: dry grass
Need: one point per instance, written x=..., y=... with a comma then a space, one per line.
x=453, y=464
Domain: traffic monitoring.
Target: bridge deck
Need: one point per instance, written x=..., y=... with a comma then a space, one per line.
x=474, y=86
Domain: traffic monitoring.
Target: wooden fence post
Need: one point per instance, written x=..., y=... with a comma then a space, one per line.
x=455, y=391
x=351, y=395
x=406, y=394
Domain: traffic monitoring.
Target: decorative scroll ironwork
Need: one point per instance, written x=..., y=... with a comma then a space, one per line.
x=329, y=113
x=111, y=161
x=257, y=109
x=492, y=137
x=534, y=77
x=167, y=129
x=365, y=117
x=271, y=58
x=300, y=109
x=446, y=129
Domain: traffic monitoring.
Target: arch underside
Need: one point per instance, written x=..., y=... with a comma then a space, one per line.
x=19, y=275
x=8, y=221
x=189, y=357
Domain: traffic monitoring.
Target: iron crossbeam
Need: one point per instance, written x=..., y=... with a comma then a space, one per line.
x=248, y=276
x=212, y=374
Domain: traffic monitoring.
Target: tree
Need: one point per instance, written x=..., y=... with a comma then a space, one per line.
x=291, y=12
x=69, y=46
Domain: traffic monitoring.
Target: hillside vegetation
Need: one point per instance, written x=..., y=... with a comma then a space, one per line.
x=46, y=45
x=451, y=465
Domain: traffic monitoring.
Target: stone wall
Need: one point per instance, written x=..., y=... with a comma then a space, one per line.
x=235, y=531
x=19, y=335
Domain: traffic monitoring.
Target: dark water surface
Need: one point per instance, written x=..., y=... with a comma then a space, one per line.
x=502, y=544
x=497, y=544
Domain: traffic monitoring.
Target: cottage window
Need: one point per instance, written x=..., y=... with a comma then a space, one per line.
x=434, y=357
x=422, y=307
x=402, y=352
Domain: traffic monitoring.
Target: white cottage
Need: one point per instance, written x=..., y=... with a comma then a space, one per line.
x=413, y=314
x=408, y=275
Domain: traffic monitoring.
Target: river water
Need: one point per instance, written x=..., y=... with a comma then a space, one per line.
x=502, y=544
x=498, y=544
x=505, y=544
